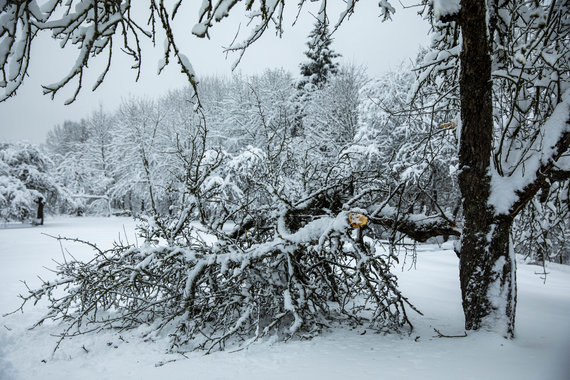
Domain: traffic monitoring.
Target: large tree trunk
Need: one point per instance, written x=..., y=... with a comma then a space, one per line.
x=487, y=266
x=488, y=279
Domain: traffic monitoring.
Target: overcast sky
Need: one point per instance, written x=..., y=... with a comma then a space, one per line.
x=362, y=40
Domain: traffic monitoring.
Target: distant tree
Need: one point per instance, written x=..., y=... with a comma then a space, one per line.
x=315, y=72
x=65, y=138
x=320, y=64
x=25, y=177
x=82, y=163
x=96, y=153
x=331, y=112
x=40, y=214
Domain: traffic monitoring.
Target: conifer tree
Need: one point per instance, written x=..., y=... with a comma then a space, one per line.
x=315, y=71
x=320, y=55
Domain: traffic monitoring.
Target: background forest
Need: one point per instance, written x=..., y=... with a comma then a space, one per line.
x=268, y=135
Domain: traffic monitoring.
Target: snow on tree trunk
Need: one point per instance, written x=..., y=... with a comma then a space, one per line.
x=488, y=282
x=486, y=263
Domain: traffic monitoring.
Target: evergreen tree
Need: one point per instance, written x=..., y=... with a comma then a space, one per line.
x=321, y=56
x=315, y=72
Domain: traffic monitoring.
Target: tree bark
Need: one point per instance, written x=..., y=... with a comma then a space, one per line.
x=487, y=264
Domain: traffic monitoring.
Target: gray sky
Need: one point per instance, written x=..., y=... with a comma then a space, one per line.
x=362, y=40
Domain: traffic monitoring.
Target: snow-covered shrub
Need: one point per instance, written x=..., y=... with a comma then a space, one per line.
x=25, y=176
x=17, y=203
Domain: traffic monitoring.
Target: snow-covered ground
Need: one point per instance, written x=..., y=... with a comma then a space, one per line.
x=541, y=350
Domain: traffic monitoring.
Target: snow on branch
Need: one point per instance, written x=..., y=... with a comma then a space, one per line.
x=419, y=227
x=93, y=27
x=509, y=193
x=209, y=296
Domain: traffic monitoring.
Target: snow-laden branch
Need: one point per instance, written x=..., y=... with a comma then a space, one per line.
x=545, y=160
x=419, y=227
x=207, y=296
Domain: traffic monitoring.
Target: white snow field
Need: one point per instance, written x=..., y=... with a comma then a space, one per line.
x=541, y=350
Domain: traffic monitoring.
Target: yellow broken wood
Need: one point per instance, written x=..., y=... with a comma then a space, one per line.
x=451, y=125
x=356, y=219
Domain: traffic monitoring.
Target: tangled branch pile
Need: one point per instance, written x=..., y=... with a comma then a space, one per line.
x=205, y=295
